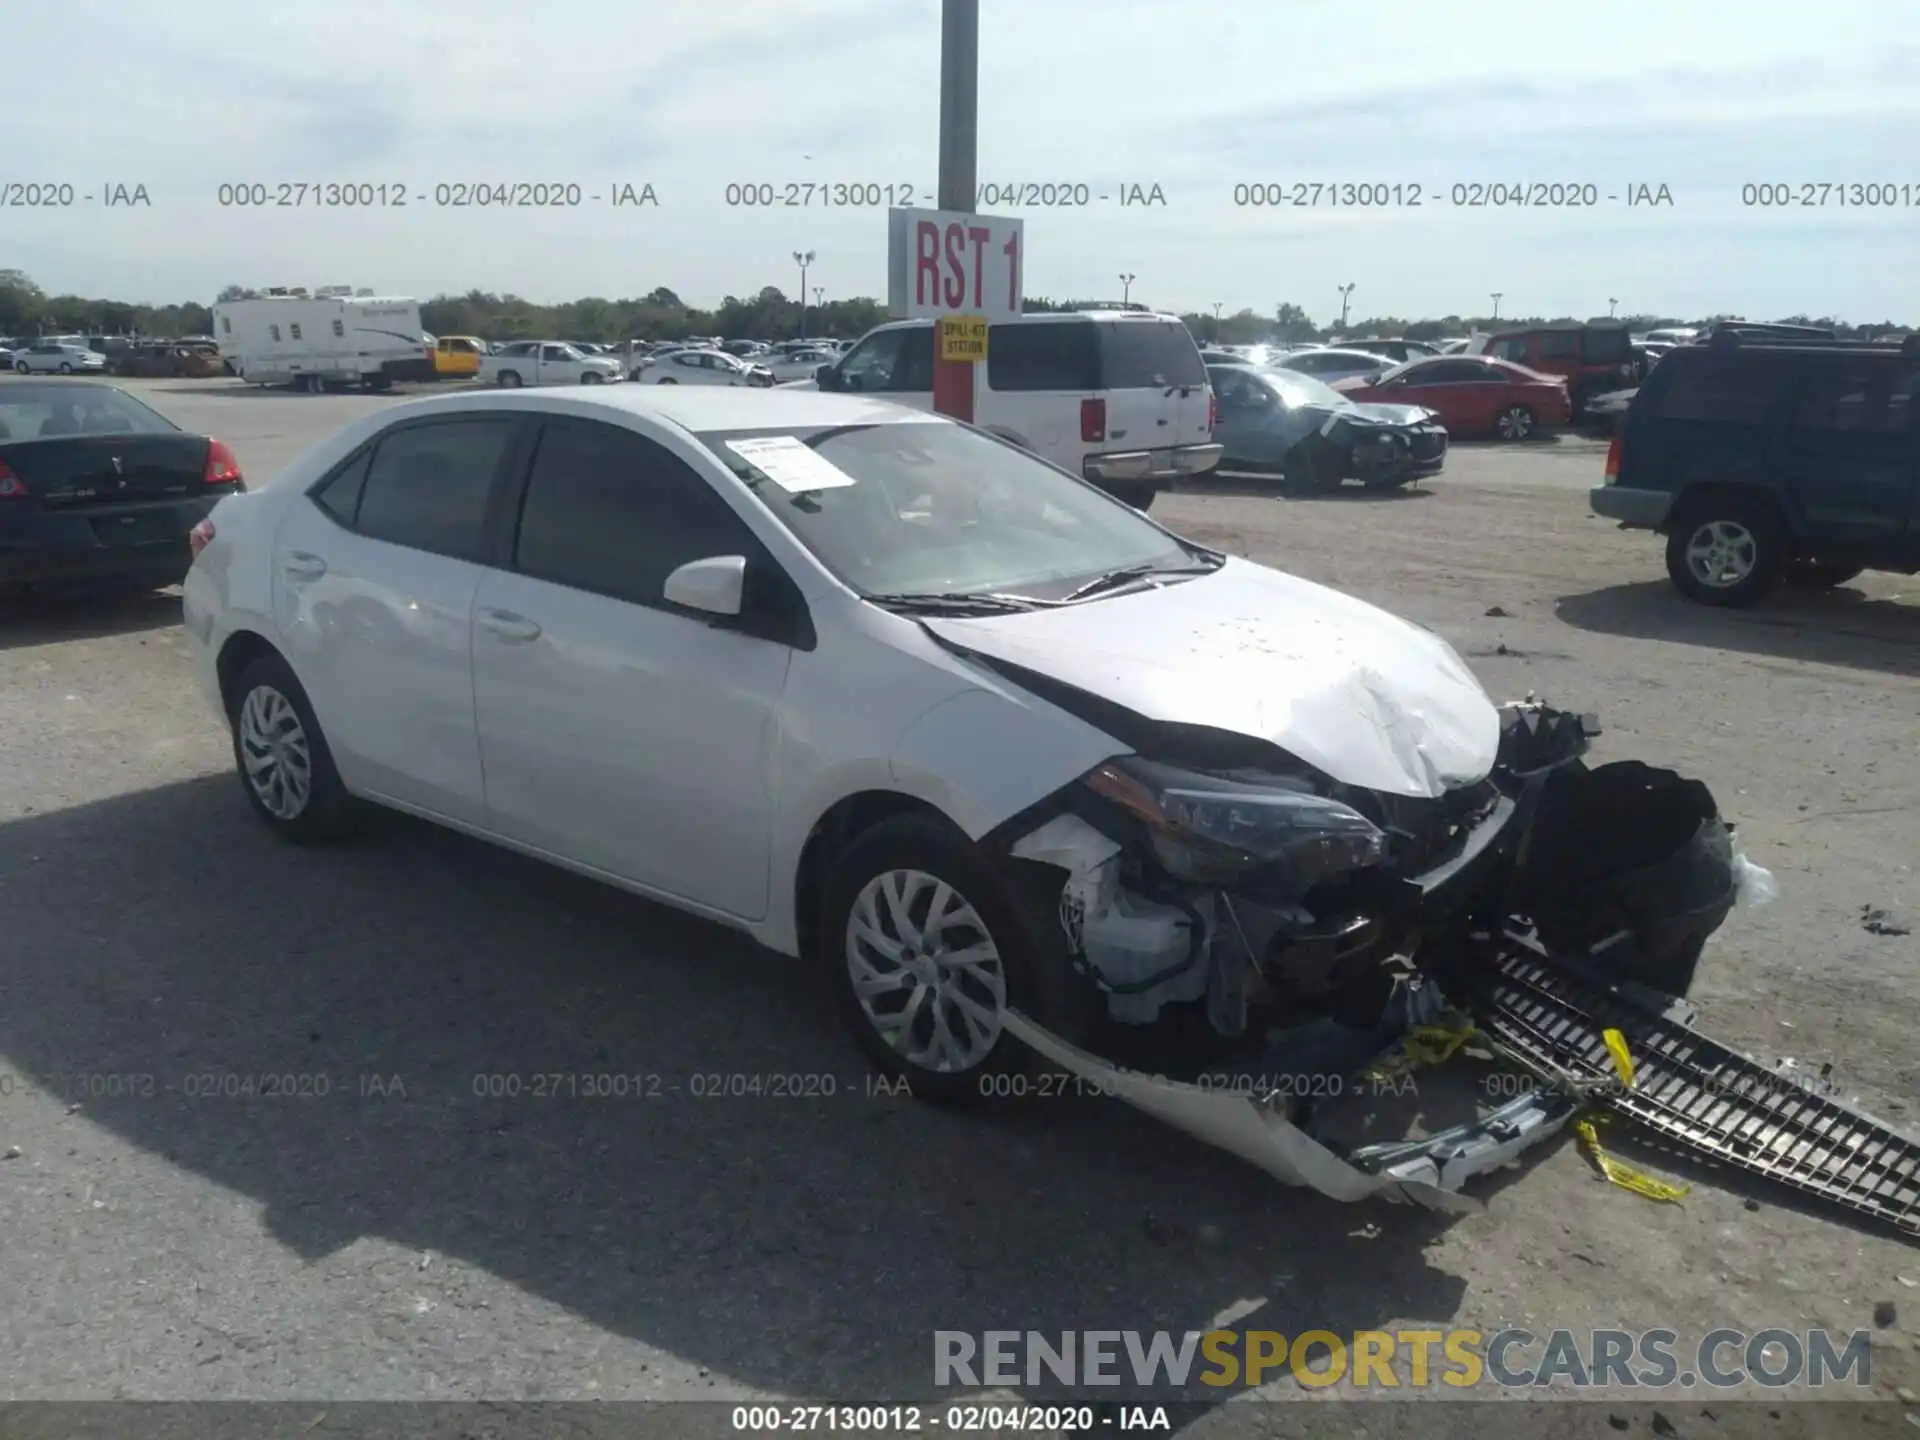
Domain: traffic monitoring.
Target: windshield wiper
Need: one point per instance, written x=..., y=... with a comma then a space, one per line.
x=1133, y=574
x=958, y=602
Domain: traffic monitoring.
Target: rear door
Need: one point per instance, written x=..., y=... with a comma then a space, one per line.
x=1848, y=456
x=375, y=573
x=1155, y=386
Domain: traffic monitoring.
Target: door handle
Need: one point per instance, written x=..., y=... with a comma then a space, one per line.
x=305, y=565
x=509, y=626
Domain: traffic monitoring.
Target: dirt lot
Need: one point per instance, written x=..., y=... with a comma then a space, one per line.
x=403, y=1236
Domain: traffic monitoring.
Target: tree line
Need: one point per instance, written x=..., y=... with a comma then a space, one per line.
x=25, y=309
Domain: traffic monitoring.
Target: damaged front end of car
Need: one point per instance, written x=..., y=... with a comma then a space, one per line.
x=1247, y=937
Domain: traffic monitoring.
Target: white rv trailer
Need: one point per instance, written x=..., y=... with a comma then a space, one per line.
x=332, y=337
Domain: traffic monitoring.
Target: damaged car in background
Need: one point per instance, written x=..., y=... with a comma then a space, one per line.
x=1283, y=423
x=1023, y=771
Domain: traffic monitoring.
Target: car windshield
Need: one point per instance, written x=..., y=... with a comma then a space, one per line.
x=932, y=508
x=51, y=412
x=1297, y=388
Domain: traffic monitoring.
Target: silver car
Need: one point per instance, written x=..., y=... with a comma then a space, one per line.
x=50, y=358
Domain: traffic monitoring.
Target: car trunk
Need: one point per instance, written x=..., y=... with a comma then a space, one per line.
x=95, y=470
x=1156, y=387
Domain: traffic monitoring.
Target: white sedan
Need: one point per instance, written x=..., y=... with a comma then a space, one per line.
x=47, y=358
x=1014, y=766
x=703, y=367
x=800, y=364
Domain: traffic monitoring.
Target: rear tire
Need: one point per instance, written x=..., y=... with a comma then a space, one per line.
x=669, y=380
x=282, y=758
x=1726, y=549
x=1811, y=575
x=1514, y=424
x=905, y=961
x=508, y=380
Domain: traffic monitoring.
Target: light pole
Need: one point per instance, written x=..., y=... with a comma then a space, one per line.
x=953, y=380
x=1126, y=288
x=803, y=258
x=1346, y=291
x=1496, y=302
x=1612, y=307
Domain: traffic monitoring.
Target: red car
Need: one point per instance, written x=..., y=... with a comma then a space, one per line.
x=1472, y=394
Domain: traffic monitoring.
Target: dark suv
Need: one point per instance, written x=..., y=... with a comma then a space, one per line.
x=1763, y=460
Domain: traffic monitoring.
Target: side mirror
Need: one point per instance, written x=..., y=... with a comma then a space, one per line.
x=717, y=585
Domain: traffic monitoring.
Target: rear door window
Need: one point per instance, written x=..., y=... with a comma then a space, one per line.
x=429, y=486
x=1145, y=355
x=1606, y=346
x=1057, y=355
x=1851, y=400
x=1559, y=345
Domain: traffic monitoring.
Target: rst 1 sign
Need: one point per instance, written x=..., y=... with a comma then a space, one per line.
x=943, y=262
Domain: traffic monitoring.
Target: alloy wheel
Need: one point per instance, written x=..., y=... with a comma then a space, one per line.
x=1722, y=554
x=925, y=971
x=278, y=758
x=1514, y=424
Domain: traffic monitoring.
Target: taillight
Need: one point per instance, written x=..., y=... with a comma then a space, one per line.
x=1093, y=420
x=1213, y=411
x=222, y=468
x=12, y=487
x=200, y=536
x=1613, y=460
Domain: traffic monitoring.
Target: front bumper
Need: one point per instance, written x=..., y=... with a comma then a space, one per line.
x=1152, y=465
x=146, y=542
x=1634, y=509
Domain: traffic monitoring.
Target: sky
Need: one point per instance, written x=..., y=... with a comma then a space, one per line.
x=1212, y=106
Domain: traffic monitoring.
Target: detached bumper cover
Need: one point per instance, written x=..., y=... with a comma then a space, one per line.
x=1426, y=1172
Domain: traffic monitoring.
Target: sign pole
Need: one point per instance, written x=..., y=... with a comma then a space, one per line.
x=959, y=129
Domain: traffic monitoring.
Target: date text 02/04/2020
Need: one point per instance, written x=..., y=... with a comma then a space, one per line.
x=875, y=194
x=1463, y=195
x=444, y=195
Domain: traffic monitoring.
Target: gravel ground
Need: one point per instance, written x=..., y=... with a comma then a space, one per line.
x=404, y=1237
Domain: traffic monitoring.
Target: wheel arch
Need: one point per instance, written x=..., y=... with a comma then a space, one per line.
x=240, y=650
x=842, y=823
x=1696, y=493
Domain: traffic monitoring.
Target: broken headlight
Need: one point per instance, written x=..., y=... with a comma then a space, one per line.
x=1212, y=830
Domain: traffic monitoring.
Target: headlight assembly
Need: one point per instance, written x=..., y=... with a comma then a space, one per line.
x=1213, y=830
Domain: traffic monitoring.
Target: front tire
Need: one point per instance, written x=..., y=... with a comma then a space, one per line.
x=284, y=764
x=928, y=947
x=669, y=380
x=65, y=368
x=1513, y=424
x=1726, y=550
x=20, y=367
x=592, y=377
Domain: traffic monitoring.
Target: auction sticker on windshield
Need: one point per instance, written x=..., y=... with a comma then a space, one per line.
x=790, y=464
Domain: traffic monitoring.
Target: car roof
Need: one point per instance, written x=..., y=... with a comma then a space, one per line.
x=692, y=407
x=1342, y=350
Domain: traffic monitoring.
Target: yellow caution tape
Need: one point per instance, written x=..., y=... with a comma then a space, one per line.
x=1625, y=1176
x=1622, y=1057
x=1426, y=1045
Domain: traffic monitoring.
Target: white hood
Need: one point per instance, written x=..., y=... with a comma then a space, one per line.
x=1356, y=692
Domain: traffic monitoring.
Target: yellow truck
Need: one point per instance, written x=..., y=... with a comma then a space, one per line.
x=457, y=356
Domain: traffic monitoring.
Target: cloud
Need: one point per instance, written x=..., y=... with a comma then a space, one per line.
x=690, y=96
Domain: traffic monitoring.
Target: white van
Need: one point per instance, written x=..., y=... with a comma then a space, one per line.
x=1119, y=397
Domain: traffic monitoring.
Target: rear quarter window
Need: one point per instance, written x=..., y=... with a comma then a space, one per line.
x=1060, y=355
x=1606, y=347
x=1747, y=392
x=1147, y=355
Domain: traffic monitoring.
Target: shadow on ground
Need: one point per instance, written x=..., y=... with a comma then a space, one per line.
x=810, y=1246
x=1247, y=482
x=50, y=619
x=1834, y=627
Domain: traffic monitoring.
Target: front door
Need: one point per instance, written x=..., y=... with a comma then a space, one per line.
x=619, y=731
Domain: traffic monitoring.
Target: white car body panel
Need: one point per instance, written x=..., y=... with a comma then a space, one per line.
x=1358, y=693
x=277, y=339
x=548, y=362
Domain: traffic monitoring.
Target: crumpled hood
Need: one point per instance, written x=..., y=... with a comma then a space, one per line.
x=1363, y=695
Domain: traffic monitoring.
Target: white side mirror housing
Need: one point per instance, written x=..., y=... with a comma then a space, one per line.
x=717, y=585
